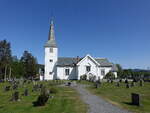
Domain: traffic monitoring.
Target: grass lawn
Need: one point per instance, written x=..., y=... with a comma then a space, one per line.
x=66, y=100
x=121, y=96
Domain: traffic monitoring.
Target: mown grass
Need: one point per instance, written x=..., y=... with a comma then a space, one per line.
x=66, y=100
x=121, y=96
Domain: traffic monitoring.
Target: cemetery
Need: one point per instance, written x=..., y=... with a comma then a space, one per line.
x=130, y=95
x=39, y=97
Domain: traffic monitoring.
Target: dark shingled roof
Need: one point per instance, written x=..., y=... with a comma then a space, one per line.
x=68, y=61
x=103, y=62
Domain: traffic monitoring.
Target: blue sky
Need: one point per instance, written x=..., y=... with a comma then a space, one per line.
x=116, y=29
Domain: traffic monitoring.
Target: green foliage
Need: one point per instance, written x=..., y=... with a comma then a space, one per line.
x=120, y=71
x=30, y=65
x=17, y=69
x=110, y=75
x=83, y=77
x=5, y=58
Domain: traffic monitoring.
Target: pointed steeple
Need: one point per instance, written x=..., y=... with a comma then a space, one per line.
x=51, y=31
x=51, y=37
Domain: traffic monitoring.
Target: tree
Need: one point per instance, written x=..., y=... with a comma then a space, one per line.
x=5, y=58
x=30, y=65
x=17, y=68
x=110, y=75
x=120, y=71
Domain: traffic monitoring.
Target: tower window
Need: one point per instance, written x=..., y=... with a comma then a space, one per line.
x=51, y=50
x=67, y=71
x=51, y=60
x=50, y=73
x=88, y=68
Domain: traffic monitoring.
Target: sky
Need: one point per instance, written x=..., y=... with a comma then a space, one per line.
x=118, y=30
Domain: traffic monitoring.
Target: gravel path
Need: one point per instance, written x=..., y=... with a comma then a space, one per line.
x=97, y=104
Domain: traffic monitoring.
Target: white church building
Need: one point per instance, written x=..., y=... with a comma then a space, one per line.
x=68, y=68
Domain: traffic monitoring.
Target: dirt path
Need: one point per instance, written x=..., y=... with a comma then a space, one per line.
x=97, y=104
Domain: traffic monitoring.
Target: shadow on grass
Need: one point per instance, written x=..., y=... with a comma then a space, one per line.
x=131, y=104
x=1, y=107
x=128, y=103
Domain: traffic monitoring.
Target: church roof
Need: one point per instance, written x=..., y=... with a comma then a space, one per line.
x=103, y=62
x=69, y=61
x=51, y=37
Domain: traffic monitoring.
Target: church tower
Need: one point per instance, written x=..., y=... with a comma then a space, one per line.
x=51, y=55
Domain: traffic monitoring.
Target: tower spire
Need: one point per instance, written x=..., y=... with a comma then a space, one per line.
x=51, y=36
x=51, y=31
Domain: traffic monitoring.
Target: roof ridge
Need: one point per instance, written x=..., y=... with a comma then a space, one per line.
x=100, y=58
x=66, y=57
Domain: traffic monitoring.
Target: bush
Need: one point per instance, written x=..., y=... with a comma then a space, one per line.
x=83, y=77
x=110, y=75
x=43, y=97
x=92, y=78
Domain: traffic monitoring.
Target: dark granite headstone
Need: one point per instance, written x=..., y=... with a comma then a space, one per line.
x=97, y=85
x=15, y=96
x=26, y=92
x=111, y=81
x=118, y=84
x=7, y=88
x=127, y=85
x=126, y=81
x=120, y=80
x=135, y=99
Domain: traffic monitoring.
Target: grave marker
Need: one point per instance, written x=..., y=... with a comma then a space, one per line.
x=135, y=99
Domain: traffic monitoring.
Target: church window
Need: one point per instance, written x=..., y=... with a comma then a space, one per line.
x=51, y=60
x=88, y=68
x=50, y=73
x=51, y=50
x=67, y=71
x=103, y=72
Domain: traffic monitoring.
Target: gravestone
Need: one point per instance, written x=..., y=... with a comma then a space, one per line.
x=118, y=84
x=26, y=92
x=7, y=88
x=96, y=84
x=43, y=97
x=126, y=81
x=132, y=84
x=41, y=85
x=108, y=80
x=15, y=96
x=127, y=85
x=141, y=83
x=135, y=99
x=68, y=84
x=120, y=80
x=111, y=81
x=15, y=86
